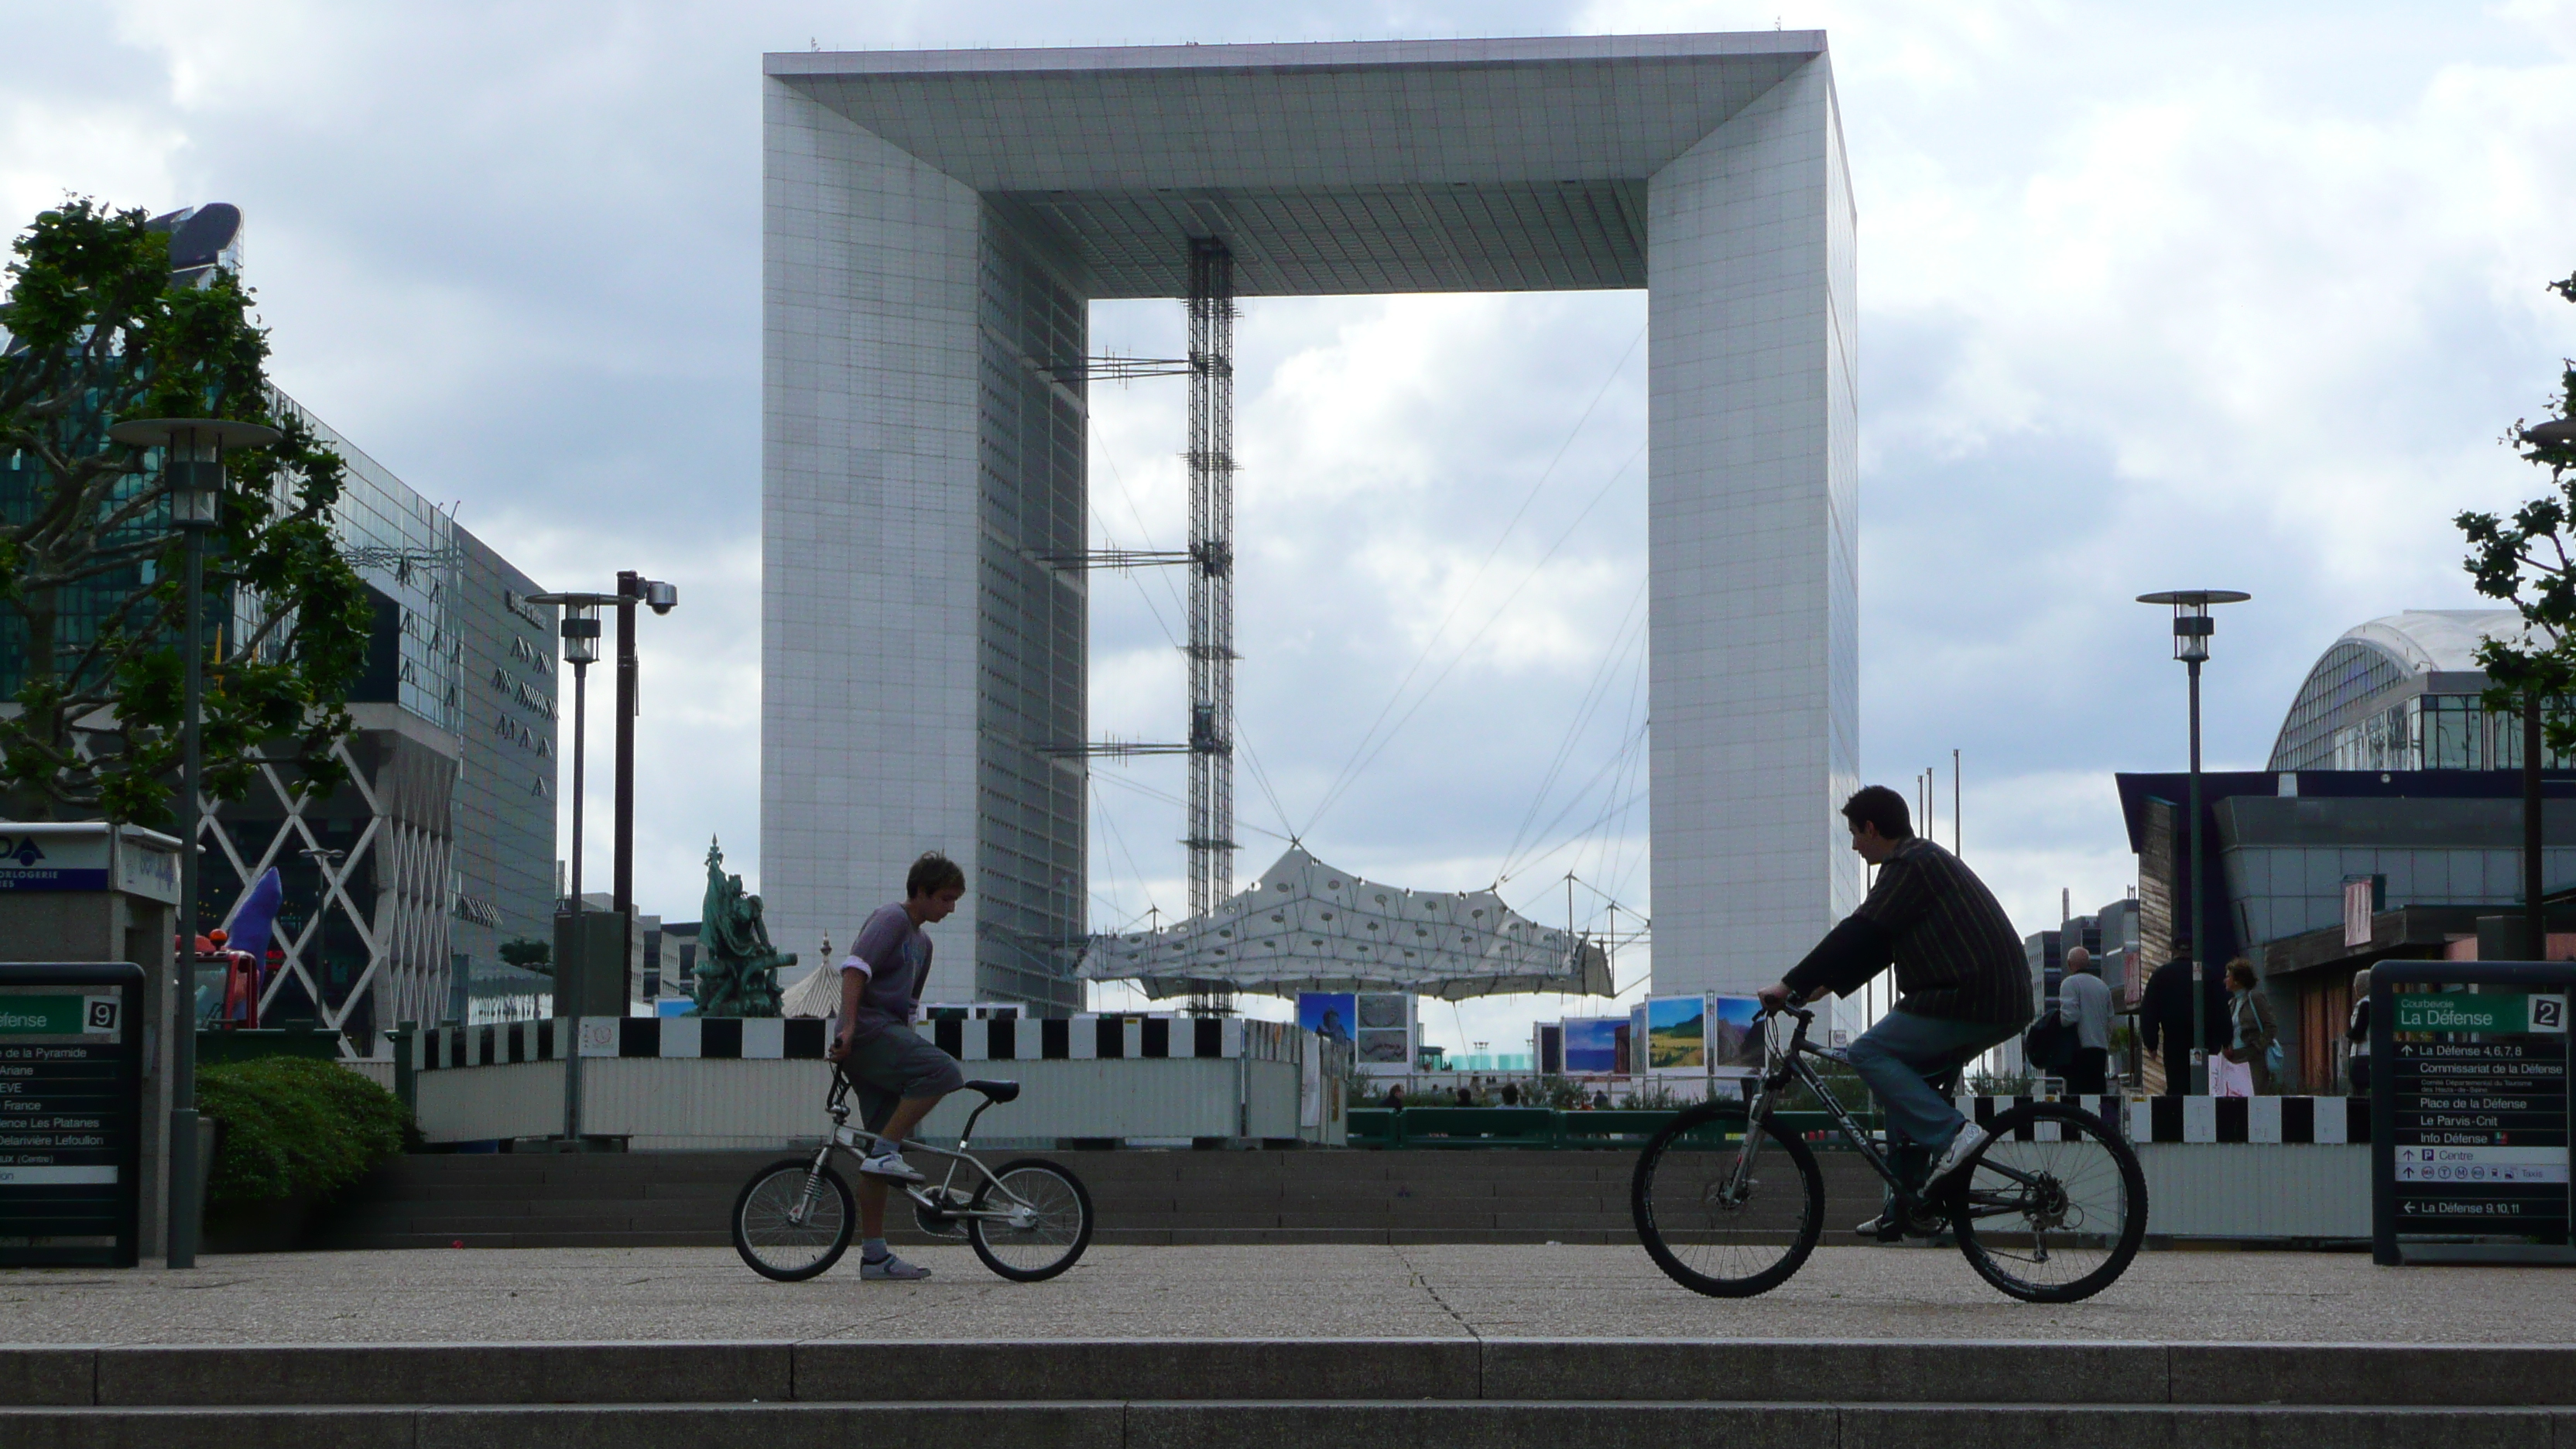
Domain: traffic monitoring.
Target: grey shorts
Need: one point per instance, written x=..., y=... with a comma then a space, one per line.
x=893, y=1064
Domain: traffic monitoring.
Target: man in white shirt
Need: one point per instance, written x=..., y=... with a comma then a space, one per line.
x=2084, y=1003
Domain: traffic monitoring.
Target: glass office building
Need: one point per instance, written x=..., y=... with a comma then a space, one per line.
x=400, y=885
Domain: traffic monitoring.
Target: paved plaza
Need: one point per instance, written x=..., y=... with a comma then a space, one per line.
x=600, y=1295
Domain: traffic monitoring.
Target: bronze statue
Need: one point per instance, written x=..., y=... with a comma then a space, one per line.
x=737, y=972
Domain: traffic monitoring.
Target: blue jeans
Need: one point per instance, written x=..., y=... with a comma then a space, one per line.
x=1897, y=1058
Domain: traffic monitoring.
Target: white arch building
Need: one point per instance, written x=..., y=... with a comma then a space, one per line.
x=935, y=226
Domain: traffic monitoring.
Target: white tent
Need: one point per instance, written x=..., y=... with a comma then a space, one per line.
x=1304, y=926
x=817, y=993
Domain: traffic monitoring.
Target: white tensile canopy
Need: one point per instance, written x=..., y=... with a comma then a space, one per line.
x=817, y=993
x=1304, y=926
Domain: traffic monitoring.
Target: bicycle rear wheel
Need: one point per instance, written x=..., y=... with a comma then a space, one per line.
x=1049, y=1226
x=1716, y=1230
x=2055, y=1219
x=791, y=1223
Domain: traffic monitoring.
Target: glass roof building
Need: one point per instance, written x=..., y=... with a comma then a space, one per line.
x=2403, y=693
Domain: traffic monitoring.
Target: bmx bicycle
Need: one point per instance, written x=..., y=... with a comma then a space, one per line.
x=1028, y=1219
x=2050, y=1210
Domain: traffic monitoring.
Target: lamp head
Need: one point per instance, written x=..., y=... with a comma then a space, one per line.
x=581, y=633
x=2555, y=433
x=2192, y=624
x=579, y=624
x=192, y=459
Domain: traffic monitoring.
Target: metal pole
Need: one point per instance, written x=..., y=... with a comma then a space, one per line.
x=2199, y=935
x=1955, y=847
x=630, y=587
x=2536, y=926
x=571, y=1046
x=184, y=1198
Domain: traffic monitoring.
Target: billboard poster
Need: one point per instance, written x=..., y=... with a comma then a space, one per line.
x=1327, y=1014
x=1592, y=1044
x=1735, y=1043
x=1677, y=1033
x=1385, y=1029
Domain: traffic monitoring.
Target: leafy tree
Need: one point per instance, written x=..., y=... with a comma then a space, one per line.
x=2525, y=561
x=529, y=955
x=94, y=330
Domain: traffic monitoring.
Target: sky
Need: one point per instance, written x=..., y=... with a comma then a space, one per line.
x=2150, y=297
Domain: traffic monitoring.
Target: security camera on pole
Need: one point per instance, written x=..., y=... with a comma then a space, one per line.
x=583, y=985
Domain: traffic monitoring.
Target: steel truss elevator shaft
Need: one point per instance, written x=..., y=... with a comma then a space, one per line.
x=1211, y=646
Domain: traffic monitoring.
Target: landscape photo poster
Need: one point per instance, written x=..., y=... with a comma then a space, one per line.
x=1735, y=1042
x=1385, y=1033
x=1592, y=1044
x=1676, y=1033
x=1327, y=1014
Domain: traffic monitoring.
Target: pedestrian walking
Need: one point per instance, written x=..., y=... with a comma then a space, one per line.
x=2244, y=1067
x=2164, y=1018
x=2084, y=1003
x=2357, y=1032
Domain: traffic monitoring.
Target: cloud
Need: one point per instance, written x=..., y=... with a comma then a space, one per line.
x=2149, y=296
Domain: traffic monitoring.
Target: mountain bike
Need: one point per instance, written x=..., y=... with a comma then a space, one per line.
x=1028, y=1219
x=1729, y=1202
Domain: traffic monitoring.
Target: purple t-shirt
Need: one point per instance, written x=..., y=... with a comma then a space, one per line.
x=896, y=955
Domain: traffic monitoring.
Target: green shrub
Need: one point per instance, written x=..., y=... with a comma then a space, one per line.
x=294, y=1124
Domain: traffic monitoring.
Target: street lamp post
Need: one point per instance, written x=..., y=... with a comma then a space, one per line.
x=192, y=469
x=579, y=626
x=2192, y=629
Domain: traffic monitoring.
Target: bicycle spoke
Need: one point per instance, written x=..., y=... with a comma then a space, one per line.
x=1029, y=1219
x=2051, y=1219
x=1731, y=1217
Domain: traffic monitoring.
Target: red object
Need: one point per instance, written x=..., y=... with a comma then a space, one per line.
x=241, y=989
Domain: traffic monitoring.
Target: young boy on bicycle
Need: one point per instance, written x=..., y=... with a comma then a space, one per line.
x=897, y=1076
x=1962, y=979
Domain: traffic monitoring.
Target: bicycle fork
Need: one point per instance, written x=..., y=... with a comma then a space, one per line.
x=813, y=1187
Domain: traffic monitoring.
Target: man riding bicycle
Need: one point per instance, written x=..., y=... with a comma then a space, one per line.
x=897, y=1076
x=1962, y=979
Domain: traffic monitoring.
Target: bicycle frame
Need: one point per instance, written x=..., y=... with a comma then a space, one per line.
x=1783, y=1065
x=946, y=1200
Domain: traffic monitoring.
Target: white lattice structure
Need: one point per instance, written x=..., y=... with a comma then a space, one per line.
x=384, y=876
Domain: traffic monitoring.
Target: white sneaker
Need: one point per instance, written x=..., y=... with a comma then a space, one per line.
x=1961, y=1148
x=890, y=1166
x=893, y=1267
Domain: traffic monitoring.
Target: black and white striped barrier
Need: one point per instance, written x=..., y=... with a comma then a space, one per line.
x=1080, y=1038
x=2323, y=1121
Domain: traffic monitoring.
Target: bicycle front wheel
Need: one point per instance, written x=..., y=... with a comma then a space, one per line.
x=1728, y=1219
x=2054, y=1219
x=791, y=1222
x=1048, y=1226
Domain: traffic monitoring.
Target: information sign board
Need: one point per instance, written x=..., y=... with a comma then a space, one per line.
x=71, y=1114
x=2470, y=1111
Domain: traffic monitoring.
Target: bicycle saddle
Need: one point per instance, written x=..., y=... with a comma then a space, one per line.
x=997, y=1091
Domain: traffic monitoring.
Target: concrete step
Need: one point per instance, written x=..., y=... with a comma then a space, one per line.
x=1286, y=1424
x=1462, y=1369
